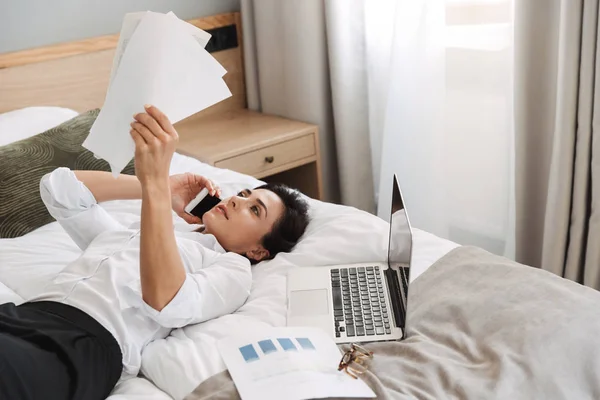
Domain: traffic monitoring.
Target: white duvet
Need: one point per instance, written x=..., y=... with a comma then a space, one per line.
x=179, y=363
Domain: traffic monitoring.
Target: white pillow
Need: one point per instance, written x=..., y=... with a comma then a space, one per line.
x=334, y=231
x=26, y=122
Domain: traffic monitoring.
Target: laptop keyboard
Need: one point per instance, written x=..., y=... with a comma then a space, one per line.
x=359, y=302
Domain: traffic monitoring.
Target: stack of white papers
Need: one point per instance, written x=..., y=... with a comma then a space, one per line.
x=160, y=60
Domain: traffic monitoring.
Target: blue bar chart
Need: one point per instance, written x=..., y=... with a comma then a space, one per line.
x=292, y=363
x=254, y=351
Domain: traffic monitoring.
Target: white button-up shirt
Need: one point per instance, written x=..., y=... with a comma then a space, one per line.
x=104, y=281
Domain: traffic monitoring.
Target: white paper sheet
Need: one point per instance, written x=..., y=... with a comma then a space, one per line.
x=288, y=363
x=131, y=22
x=163, y=64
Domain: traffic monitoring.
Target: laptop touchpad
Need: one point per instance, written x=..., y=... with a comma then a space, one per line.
x=309, y=302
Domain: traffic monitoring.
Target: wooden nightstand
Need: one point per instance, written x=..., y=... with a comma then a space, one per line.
x=270, y=148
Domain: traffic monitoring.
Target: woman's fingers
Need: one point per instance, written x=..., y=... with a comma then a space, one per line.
x=202, y=181
x=150, y=124
x=212, y=189
x=137, y=138
x=161, y=119
x=153, y=123
x=144, y=132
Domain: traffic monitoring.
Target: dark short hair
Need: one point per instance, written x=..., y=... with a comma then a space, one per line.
x=290, y=227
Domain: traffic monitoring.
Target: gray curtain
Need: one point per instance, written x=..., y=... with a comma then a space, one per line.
x=305, y=60
x=558, y=137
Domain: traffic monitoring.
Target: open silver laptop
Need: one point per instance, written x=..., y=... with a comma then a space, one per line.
x=362, y=302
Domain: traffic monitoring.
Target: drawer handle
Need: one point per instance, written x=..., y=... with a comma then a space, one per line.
x=269, y=159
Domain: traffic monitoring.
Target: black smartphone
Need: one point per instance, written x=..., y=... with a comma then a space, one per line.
x=203, y=203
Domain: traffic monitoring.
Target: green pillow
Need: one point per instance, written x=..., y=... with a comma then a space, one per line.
x=24, y=163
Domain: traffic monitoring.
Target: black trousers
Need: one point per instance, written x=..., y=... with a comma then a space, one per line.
x=53, y=351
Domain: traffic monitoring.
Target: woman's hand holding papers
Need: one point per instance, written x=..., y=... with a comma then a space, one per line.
x=155, y=142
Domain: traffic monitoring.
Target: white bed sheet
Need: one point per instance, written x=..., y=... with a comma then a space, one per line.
x=179, y=363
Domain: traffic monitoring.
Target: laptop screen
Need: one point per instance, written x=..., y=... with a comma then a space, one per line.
x=400, y=240
x=400, y=250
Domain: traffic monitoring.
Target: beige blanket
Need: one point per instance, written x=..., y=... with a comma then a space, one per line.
x=483, y=327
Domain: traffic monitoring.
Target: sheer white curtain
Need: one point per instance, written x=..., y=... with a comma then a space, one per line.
x=440, y=96
x=421, y=88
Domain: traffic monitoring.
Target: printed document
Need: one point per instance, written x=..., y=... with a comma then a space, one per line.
x=288, y=363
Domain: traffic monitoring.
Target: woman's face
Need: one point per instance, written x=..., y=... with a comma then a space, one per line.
x=240, y=222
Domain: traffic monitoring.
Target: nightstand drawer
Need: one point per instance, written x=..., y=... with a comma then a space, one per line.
x=271, y=157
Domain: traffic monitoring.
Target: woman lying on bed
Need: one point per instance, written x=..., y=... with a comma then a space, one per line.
x=129, y=287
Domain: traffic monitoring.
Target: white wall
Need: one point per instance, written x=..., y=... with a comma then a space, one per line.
x=32, y=23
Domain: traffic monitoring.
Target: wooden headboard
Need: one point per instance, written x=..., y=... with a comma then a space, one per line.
x=76, y=74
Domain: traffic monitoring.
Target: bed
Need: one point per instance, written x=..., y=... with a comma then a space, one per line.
x=28, y=262
x=479, y=326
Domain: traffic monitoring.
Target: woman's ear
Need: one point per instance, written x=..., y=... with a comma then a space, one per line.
x=259, y=253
